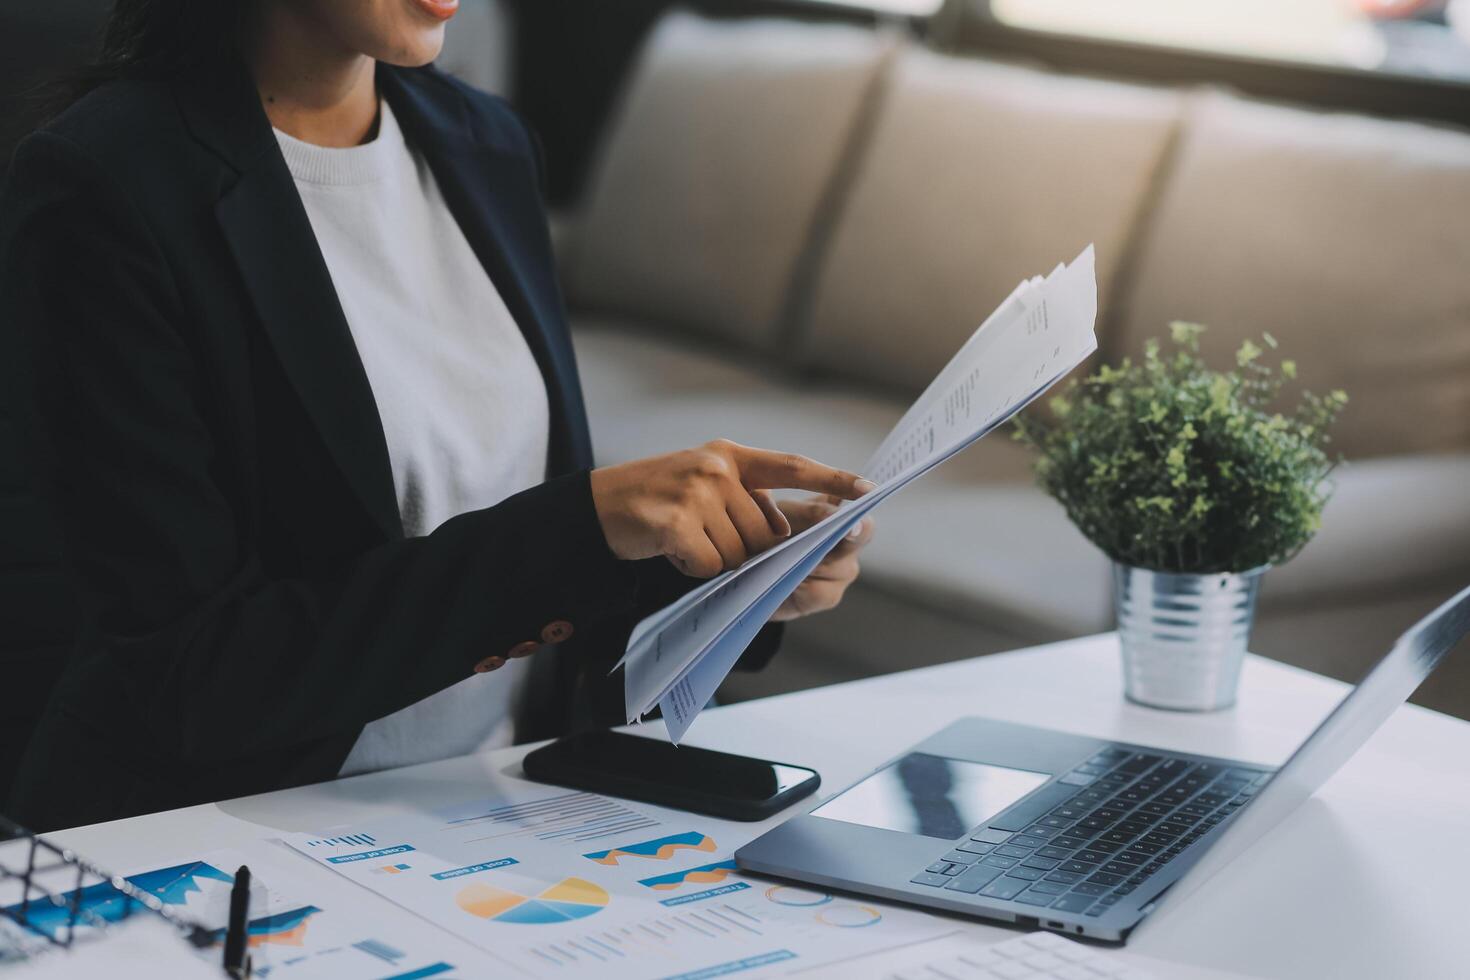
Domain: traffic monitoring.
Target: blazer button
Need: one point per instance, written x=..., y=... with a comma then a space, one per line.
x=556, y=631
x=489, y=664
x=523, y=649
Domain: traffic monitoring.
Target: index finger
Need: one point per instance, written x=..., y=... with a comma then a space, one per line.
x=762, y=469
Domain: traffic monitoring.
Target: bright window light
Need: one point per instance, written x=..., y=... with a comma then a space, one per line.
x=905, y=8
x=1334, y=32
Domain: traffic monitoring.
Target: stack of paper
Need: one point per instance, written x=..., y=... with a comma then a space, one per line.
x=677, y=657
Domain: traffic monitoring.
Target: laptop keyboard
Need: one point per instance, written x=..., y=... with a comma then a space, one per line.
x=1084, y=842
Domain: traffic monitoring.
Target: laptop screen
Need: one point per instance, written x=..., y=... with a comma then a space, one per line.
x=1378, y=695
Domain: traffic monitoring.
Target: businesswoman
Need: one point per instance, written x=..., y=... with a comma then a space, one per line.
x=306, y=403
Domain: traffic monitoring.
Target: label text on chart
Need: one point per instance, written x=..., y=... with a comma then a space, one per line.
x=708, y=893
x=471, y=869
x=368, y=855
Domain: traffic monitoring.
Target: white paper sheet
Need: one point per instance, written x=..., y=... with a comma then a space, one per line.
x=968, y=955
x=143, y=948
x=677, y=657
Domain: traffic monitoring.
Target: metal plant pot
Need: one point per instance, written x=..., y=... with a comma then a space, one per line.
x=1184, y=636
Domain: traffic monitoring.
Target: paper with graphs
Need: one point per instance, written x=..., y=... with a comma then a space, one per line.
x=677, y=657
x=560, y=883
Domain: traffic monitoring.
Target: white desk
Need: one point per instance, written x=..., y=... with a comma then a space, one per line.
x=1370, y=879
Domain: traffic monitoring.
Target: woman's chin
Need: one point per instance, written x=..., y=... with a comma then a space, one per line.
x=417, y=50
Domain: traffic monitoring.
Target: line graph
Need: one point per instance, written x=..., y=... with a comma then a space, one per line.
x=705, y=875
x=661, y=849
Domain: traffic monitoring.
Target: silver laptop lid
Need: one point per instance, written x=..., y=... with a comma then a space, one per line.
x=1387, y=685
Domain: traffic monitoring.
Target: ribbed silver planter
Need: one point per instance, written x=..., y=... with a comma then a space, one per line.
x=1184, y=636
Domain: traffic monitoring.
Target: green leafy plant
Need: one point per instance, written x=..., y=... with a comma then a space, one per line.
x=1168, y=465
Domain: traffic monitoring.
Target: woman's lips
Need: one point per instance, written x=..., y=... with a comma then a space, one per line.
x=438, y=9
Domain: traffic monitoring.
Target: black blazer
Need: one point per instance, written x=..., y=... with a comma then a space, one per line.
x=208, y=435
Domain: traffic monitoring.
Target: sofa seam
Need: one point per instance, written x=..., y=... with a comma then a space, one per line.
x=1123, y=283
x=794, y=315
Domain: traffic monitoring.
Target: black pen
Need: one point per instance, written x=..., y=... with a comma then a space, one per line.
x=237, y=960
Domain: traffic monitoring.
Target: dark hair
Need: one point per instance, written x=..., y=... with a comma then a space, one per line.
x=157, y=39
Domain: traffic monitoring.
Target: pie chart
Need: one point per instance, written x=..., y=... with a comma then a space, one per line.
x=800, y=897
x=570, y=898
x=849, y=916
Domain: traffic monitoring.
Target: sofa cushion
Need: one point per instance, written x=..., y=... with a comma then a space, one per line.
x=977, y=175
x=1393, y=526
x=1348, y=238
x=715, y=166
x=647, y=393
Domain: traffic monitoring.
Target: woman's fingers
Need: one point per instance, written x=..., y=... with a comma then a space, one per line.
x=824, y=594
x=825, y=586
x=708, y=508
x=692, y=552
x=754, y=526
x=762, y=469
x=859, y=536
x=774, y=517
x=812, y=596
x=726, y=539
x=804, y=513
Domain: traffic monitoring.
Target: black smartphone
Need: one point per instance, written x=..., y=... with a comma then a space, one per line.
x=682, y=777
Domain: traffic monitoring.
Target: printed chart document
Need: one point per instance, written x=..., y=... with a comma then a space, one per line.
x=677, y=657
x=552, y=882
x=290, y=936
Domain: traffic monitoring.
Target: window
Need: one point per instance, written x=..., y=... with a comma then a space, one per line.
x=903, y=8
x=1425, y=38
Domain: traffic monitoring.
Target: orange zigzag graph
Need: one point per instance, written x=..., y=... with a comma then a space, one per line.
x=663, y=853
x=708, y=875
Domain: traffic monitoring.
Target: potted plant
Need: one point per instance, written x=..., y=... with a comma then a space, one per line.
x=1194, y=485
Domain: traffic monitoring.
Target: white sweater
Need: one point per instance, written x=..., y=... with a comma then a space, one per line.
x=461, y=399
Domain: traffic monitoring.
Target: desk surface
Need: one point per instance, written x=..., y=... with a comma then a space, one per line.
x=1371, y=878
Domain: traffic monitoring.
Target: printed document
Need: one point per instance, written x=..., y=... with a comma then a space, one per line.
x=677, y=657
x=551, y=882
x=294, y=934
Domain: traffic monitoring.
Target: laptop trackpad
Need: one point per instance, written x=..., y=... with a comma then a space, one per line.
x=931, y=796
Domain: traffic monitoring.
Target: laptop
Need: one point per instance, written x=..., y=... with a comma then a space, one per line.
x=1078, y=835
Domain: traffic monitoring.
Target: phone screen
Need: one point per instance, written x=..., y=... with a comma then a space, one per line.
x=692, y=770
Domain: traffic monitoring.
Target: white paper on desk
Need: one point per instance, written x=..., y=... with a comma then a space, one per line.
x=976, y=954
x=677, y=657
x=143, y=948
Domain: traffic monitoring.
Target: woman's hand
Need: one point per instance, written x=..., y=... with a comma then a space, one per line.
x=824, y=587
x=708, y=509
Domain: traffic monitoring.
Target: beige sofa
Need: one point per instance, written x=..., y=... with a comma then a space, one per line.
x=790, y=227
